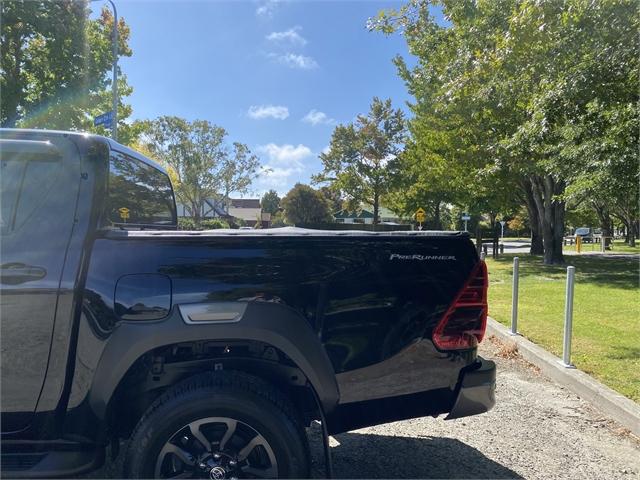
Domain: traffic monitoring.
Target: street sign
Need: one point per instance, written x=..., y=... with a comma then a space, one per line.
x=466, y=217
x=421, y=215
x=106, y=120
x=124, y=213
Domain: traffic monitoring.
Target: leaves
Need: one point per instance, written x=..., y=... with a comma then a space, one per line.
x=304, y=205
x=362, y=160
x=200, y=162
x=56, y=66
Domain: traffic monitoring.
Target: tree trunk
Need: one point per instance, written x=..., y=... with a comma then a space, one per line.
x=551, y=211
x=437, y=223
x=633, y=227
x=195, y=212
x=605, y=222
x=376, y=208
x=537, y=247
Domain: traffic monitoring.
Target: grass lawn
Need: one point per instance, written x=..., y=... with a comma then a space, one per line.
x=606, y=319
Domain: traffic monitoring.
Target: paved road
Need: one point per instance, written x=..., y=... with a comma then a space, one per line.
x=536, y=430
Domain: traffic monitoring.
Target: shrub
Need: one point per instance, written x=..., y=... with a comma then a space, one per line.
x=213, y=224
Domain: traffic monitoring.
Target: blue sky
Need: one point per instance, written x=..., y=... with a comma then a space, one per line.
x=277, y=75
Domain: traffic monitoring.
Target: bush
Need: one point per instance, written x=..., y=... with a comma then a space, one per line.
x=186, y=223
x=213, y=224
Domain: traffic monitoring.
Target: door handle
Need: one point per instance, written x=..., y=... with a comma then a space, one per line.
x=16, y=273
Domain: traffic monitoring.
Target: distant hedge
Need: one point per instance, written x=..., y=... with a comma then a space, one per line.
x=187, y=223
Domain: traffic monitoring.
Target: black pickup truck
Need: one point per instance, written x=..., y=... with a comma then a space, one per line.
x=211, y=351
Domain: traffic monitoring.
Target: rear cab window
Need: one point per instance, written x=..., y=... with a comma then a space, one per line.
x=30, y=175
x=139, y=195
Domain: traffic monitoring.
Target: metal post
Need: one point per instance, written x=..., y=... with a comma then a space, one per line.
x=514, y=295
x=483, y=256
x=568, y=318
x=114, y=125
x=114, y=87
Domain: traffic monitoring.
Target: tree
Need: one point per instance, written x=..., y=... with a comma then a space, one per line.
x=237, y=171
x=270, y=202
x=56, y=66
x=362, y=158
x=333, y=197
x=509, y=84
x=199, y=161
x=303, y=204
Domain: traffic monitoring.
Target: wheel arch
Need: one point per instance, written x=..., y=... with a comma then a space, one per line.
x=272, y=324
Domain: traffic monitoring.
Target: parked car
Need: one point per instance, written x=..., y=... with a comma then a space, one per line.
x=211, y=351
x=585, y=234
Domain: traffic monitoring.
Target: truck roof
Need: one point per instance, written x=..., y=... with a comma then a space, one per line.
x=113, y=145
x=284, y=232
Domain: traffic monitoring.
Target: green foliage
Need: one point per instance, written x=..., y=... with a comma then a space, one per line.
x=213, y=224
x=303, y=205
x=333, y=196
x=56, y=66
x=362, y=159
x=521, y=99
x=270, y=202
x=279, y=220
x=201, y=164
x=188, y=223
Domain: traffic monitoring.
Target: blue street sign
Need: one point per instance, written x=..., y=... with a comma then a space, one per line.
x=106, y=119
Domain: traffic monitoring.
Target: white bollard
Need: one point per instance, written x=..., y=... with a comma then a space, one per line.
x=568, y=318
x=514, y=296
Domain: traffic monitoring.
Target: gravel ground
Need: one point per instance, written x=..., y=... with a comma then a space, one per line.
x=536, y=430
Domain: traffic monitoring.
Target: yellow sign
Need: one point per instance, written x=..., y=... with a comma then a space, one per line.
x=124, y=213
x=421, y=215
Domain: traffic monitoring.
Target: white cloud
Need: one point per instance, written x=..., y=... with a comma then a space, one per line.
x=284, y=165
x=285, y=156
x=295, y=60
x=314, y=117
x=290, y=37
x=259, y=112
x=267, y=8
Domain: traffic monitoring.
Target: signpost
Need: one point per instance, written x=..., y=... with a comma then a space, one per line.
x=106, y=120
x=466, y=217
x=421, y=217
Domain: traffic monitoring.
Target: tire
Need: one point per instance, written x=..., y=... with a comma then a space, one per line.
x=256, y=406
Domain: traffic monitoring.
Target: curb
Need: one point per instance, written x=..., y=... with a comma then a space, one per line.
x=623, y=410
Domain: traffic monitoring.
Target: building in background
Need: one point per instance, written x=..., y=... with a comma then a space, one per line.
x=365, y=216
x=247, y=210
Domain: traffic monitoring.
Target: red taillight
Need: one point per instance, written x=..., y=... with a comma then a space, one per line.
x=464, y=323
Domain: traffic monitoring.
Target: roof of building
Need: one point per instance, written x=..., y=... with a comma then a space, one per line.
x=245, y=203
x=348, y=214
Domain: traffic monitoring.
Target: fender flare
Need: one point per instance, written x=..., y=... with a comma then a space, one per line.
x=270, y=323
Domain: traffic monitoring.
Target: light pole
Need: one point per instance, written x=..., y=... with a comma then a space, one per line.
x=114, y=105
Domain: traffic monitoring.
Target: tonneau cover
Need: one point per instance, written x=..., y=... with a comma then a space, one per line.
x=283, y=232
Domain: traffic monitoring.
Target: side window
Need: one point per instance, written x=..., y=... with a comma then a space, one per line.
x=25, y=185
x=139, y=194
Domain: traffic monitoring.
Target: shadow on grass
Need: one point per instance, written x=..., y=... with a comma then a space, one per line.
x=382, y=456
x=615, y=272
x=625, y=353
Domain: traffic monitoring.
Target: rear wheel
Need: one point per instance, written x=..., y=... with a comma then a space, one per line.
x=222, y=425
